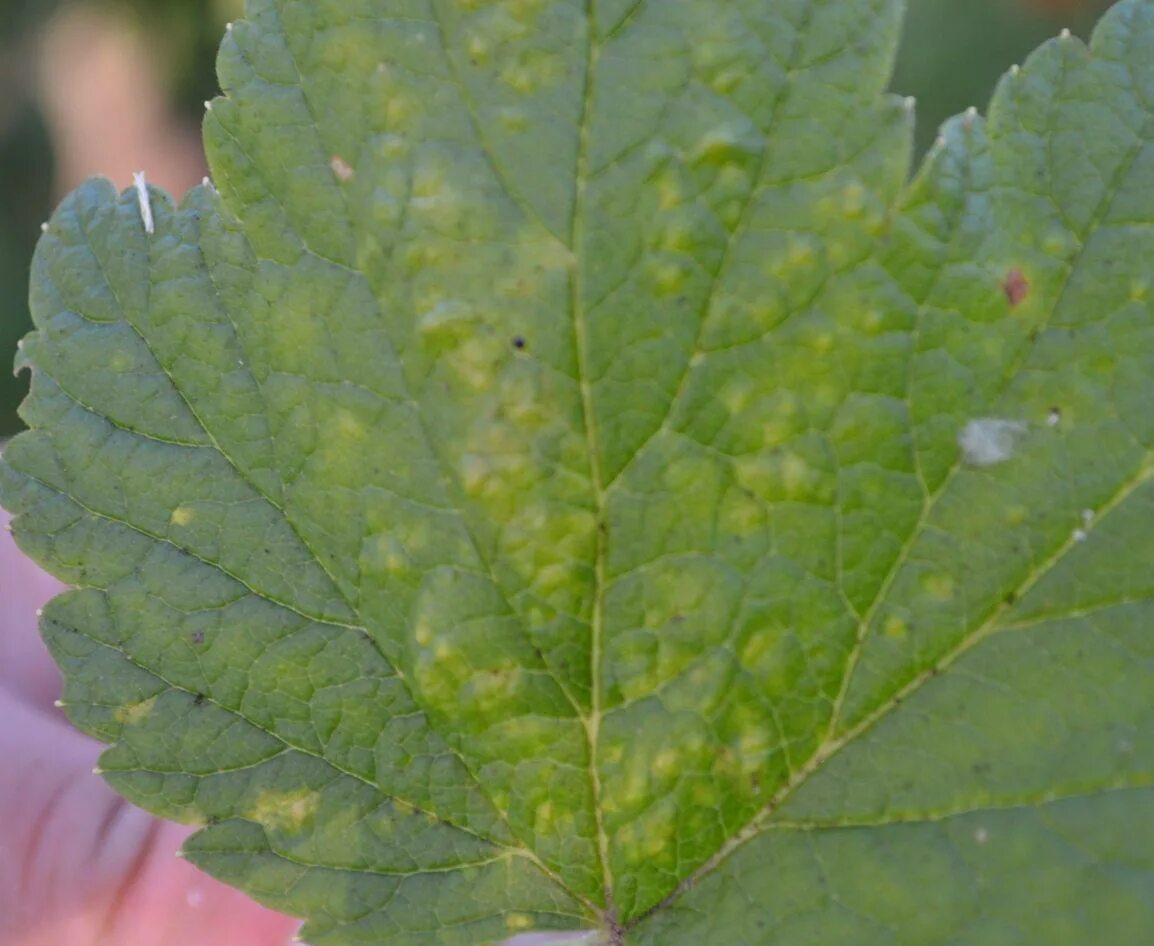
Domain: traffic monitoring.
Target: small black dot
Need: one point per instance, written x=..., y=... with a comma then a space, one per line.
x=198, y=699
x=519, y=342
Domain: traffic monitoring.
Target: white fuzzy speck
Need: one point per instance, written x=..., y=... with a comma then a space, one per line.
x=1080, y=535
x=1087, y=517
x=981, y=835
x=145, y=201
x=1054, y=417
x=990, y=440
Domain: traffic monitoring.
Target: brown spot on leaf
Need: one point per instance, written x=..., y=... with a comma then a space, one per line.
x=341, y=168
x=1015, y=287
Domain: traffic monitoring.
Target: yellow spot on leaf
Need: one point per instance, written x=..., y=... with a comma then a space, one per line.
x=800, y=253
x=665, y=763
x=513, y=119
x=1016, y=515
x=182, y=515
x=853, y=199
x=348, y=427
x=939, y=587
x=669, y=191
x=398, y=110
x=479, y=49
x=895, y=628
x=677, y=236
x=285, y=811
x=132, y=714
x=668, y=278
x=736, y=393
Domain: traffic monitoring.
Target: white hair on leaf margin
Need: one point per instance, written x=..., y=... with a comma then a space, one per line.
x=145, y=200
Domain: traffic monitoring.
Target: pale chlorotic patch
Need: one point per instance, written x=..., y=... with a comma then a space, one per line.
x=990, y=440
x=285, y=811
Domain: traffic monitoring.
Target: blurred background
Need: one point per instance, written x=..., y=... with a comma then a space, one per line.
x=115, y=86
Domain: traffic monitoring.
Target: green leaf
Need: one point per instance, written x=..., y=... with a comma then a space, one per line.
x=568, y=479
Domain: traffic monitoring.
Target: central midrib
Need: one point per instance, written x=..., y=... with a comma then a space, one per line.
x=596, y=476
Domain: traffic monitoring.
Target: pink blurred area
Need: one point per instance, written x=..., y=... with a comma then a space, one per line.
x=25, y=669
x=104, y=97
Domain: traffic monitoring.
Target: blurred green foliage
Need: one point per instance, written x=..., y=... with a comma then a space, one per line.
x=25, y=191
x=953, y=53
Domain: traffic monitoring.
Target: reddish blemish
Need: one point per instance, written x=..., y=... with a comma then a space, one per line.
x=1015, y=287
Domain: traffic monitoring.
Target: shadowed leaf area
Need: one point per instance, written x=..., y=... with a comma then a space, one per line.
x=565, y=475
